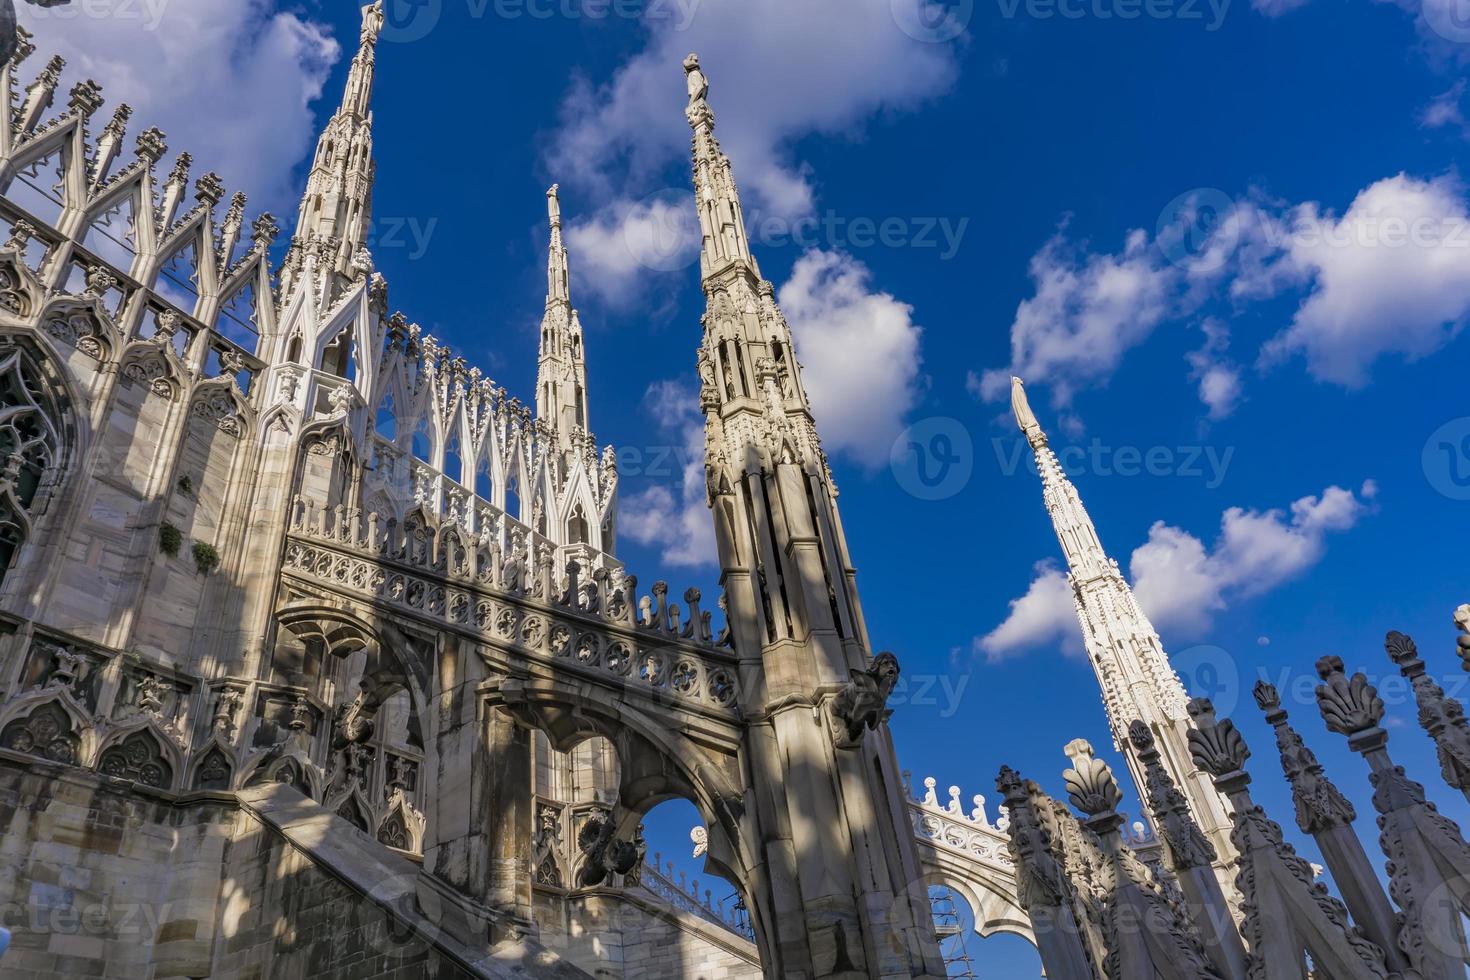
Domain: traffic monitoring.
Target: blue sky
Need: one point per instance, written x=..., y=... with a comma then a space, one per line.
x=1229, y=242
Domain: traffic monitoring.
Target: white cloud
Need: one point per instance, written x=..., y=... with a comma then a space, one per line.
x=1444, y=112
x=1046, y=614
x=621, y=243
x=1088, y=310
x=779, y=71
x=1391, y=276
x=230, y=81
x=859, y=350
x=1181, y=585
x=676, y=519
x=1219, y=379
x=1179, y=582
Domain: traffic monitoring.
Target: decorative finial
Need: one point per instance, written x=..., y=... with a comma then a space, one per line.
x=553, y=205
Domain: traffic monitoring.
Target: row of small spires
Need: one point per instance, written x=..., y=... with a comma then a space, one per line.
x=610, y=594
x=84, y=101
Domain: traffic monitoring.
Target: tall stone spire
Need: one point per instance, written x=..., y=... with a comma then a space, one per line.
x=721, y=221
x=1137, y=681
x=335, y=210
x=797, y=629
x=561, y=377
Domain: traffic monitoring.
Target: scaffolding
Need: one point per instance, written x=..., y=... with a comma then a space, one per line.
x=951, y=932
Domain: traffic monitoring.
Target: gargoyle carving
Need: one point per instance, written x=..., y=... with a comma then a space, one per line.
x=605, y=853
x=352, y=723
x=864, y=701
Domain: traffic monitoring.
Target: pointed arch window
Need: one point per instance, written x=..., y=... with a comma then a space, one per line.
x=423, y=442
x=578, y=531
x=386, y=422
x=30, y=449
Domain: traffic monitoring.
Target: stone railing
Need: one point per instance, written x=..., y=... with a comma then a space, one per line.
x=601, y=627
x=686, y=898
x=950, y=826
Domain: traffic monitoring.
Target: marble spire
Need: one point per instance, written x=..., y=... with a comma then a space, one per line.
x=1138, y=683
x=333, y=220
x=561, y=370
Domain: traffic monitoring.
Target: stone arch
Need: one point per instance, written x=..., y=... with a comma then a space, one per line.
x=140, y=755
x=290, y=770
x=37, y=440
x=219, y=400
x=992, y=898
x=20, y=291
x=452, y=550
x=51, y=730
x=213, y=768
x=387, y=666
x=657, y=763
x=402, y=826
x=154, y=366
x=84, y=324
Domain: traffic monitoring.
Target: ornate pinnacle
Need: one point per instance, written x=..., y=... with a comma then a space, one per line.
x=1188, y=846
x=236, y=212
x=1441, y=716
x=21, y=234
x=1041, y=883
x=1092, y=788
x=50, y=76
x=264, y=231
x=1217, y=748
x=1349, y=706
x=151, y=144
x=23, y=46
x=209, y=189
x=180, y=173
x=1319, y=804
x=118, y=124
x=99, y=281
x=86, y=97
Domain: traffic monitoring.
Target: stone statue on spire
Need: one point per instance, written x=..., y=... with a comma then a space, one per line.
x=1021, y=407
x=372, y=23
x=698, y=83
